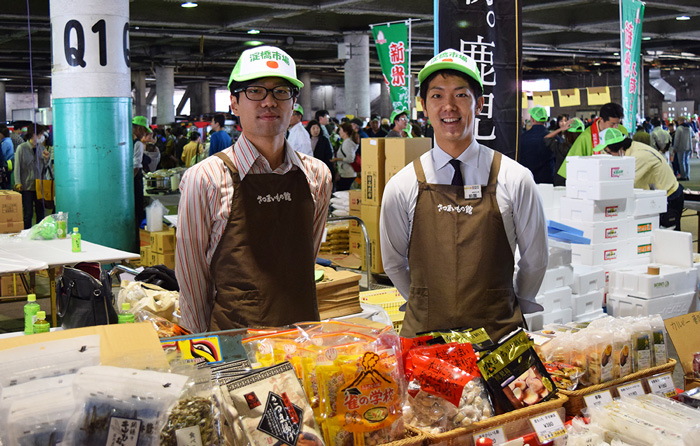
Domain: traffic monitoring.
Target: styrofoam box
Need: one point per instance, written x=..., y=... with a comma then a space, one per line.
x=557, y=194
x=644, y=225
x=648, y=202
x=556, y=299
x=552, y=213
x=587, y=279
x=667, y=306
x=557, y=317
x=559, y=254
x=593, y=210
x=638, y=250
x=557, y=277
x=598, y=254
x=587, y=303
x=534, y=320
x=673, y=248
x=603, y=231
x=599, y=168
x=634, y=281
x=602, y=190
x=546, y=191
x=587, y=317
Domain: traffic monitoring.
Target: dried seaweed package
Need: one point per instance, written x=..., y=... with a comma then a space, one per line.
x=272, y=408
x=41, y=418
x=121, y=406
x=515, y=375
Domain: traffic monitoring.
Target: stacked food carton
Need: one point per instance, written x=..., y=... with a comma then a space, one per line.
x=588, y=293
x=555, y=292
x=667, y=287
x=599, y=192
x=648, y=204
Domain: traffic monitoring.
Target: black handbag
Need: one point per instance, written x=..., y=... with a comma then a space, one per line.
x=84, y=296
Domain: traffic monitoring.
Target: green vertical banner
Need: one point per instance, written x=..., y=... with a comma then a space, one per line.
x=631, y=16
x=391, y=41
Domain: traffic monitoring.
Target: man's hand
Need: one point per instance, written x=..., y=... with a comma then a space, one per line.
x=18, y=187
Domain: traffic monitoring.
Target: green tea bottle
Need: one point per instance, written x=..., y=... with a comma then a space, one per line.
x=41, y=326
x=126, y=317
x=75, y=240
x=30, y=310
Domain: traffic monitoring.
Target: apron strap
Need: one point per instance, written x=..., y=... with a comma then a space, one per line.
x=495, y=167
x=420, y=173
x=227, y=161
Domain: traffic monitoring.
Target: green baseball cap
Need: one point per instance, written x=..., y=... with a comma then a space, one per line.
x=451, y=59
x=608, y=137
x=576, y=126
x=539, y=114
x=298, y=108
x=265, y=61
x=142, y=121
x=396, y=113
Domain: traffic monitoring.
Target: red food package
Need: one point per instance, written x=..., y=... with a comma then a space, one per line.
x=438, y=377
x=407, y=344
x=459, y=355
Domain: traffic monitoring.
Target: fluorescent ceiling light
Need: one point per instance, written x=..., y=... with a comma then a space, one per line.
x=254, y=31
x=189, y=5
x=682, y=17
x=253, y=43
x=646, y=38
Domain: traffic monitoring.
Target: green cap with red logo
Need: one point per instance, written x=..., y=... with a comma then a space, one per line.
x=265, y=61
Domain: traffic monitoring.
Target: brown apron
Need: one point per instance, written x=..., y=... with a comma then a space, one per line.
x=263, y=267
x=460, y=261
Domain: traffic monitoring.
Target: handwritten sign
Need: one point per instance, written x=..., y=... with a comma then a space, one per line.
x=632, y=389
x=548, y=427
x=598, y=399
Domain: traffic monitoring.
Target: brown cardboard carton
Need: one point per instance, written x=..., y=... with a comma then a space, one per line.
x=357, y=246
x=163, y=242
x=402, y=151
x=373, y=160
x=11, y=227
x=370, y=216
x=146, y=256
x=10, y=206
x=683, y=331
x=355, y=201
x=11, y=285
x=144, y=237
x=165, y=259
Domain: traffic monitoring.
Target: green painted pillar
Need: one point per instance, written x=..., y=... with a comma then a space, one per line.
x=91, y=89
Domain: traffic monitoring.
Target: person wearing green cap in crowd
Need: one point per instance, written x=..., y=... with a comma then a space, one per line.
x=571, y=129
x=611, y=115
x=651, y=171
x=451, y=221
x=399, y=122
x=298, y=137
x=252, y=216
x=534, y=154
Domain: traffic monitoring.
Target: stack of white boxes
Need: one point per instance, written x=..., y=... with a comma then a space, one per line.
x=640, y=290
x=648, y=204
x=588, y=293
x=555, y=292
x=551, y=199
x=598, y=202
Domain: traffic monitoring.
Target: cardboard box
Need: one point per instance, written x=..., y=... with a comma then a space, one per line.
x=144, y=237
x=370, y=216
x=355, y=200
x=11, y=227
x=10, y=206
x=146, y=255
x=163, y=242
x=373, y=160
x=402, y=151
x=357, y=246
x=11, y=285
x=164, y=259
x=683, y=331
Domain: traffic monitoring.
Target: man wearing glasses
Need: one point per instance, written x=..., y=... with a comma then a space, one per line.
x=251, y=217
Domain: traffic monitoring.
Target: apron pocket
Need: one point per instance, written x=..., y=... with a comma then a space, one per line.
x=417, y=310
x=501, y=313
x=241, y=308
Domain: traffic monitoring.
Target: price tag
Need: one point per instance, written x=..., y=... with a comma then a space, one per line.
x=472, y=192
x=598, y=399
x=662, y=385
x=496, y=434
x=632, y=389
x=548, y=426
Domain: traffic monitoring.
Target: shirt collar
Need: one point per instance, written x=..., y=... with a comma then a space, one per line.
x=248, y=154
x=470, y=156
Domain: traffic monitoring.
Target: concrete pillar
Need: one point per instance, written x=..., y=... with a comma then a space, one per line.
x=206, y=106
x=212, y=101
x=165, y=90
x=357, y=100
x=93, y=152
x=3, y=103
x=384, y=101
x=305, y=95
x=44, y=100
x=140, y=105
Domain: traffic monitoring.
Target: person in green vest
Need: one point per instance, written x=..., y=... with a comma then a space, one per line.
x=611, y=115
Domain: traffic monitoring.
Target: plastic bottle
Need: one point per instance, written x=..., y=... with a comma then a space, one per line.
x=41, y=325
x=75, y=240
x=30, y=310
x=62, y=222
x=126, y=317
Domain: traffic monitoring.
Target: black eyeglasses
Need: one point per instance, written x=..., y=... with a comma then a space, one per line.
x=281, y=93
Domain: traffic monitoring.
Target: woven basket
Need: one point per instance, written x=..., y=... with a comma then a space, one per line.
x=528, y=412
x=413, y=437
x=576, y=401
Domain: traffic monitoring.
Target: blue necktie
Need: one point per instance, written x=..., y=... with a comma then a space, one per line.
x=457, y=177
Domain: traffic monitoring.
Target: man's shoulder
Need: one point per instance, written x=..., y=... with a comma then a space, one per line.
x=315, y=167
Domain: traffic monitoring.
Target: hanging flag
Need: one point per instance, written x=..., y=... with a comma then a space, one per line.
x=631, y=16
x=489, y=32
x=391, y=41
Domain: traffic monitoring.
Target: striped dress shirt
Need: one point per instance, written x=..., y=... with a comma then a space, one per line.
x=205, y=203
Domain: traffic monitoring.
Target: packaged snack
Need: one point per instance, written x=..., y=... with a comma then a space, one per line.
x=40, y=419
x=642, y=342
x=515, y=375
x=478, y=337
x=565, y=376
x=658, y=330
x=622, y=349
x=599, y=356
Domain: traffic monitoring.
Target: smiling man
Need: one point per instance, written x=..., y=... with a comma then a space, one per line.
x=451, y=220
x=251, y=217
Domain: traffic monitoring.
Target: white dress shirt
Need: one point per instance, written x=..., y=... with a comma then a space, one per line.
x=518, y=200
x=300, y=140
